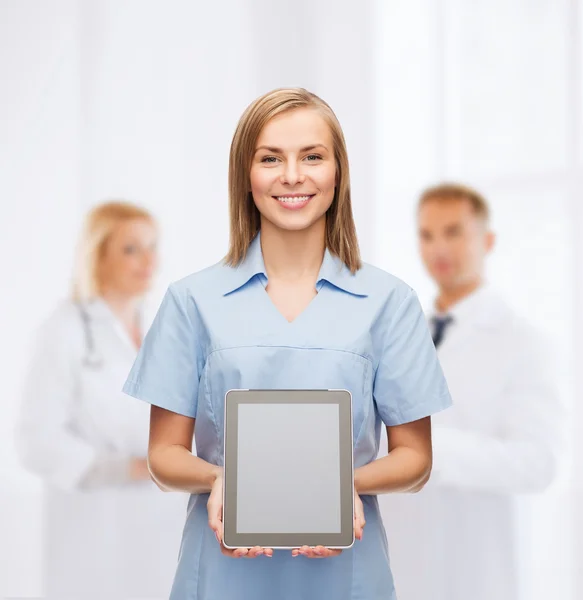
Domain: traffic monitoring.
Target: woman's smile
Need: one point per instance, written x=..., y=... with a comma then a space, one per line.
x=294, y=201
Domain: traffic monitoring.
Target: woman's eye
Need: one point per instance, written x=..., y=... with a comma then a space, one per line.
x=129, y=250
x=313, y=157
x=269, y=159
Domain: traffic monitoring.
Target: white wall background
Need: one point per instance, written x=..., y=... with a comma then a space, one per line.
x=139, y=98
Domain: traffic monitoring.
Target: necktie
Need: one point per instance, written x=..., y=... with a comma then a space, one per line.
x=439, y=326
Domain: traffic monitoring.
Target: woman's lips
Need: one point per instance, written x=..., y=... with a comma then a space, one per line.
x=294, y=201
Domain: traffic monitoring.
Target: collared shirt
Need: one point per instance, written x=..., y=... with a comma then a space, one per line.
x=466, y=307
x=482, y=308
x=332, y=271
x=218, y=329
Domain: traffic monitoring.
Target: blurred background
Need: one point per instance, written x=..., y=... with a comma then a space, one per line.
x=138, y=99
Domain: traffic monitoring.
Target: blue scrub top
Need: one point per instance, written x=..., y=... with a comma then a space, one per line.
x=218, y=330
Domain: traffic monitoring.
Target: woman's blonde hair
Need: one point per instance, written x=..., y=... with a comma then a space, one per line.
x=245, y=221
x=98, y=227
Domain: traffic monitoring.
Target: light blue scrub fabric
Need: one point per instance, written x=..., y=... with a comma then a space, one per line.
x=217, y=330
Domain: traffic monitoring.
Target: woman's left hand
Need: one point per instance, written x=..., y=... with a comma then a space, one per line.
x=321, y=551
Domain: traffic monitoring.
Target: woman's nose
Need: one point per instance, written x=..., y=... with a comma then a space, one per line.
x=292, y=174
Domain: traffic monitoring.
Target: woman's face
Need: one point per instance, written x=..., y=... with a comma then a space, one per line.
x=130, y=258
x=293, y=173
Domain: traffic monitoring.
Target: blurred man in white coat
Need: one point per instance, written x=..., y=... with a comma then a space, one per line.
x=458, y=538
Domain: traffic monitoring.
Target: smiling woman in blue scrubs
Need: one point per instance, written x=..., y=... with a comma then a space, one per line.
x=291, y=306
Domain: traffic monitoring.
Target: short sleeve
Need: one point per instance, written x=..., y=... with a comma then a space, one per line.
x=167, y=370
x=409, y=383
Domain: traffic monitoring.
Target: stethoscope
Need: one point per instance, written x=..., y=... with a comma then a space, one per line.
x=92, y=358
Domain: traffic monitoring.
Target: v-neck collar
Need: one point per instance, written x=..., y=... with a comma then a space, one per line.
x=100, y=311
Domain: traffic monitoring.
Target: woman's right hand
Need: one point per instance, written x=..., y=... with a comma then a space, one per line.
x=321, y=551
x=215, y=514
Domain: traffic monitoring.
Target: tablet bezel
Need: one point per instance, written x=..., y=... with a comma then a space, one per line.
x=342, y=540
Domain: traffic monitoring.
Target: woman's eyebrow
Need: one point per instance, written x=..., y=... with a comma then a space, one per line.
x=280, y=151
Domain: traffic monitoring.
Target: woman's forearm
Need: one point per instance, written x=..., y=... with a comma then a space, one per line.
x=174, y=468
x=403, y=470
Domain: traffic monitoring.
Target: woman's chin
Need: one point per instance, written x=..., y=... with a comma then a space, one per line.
x=295, y=221
x=140, y=289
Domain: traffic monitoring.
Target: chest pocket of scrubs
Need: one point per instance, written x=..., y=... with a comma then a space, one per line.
x=277, y=367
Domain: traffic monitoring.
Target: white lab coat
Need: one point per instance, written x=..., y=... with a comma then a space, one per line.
x=119, y=540
x=458, y=538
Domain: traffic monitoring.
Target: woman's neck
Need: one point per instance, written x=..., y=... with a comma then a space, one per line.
x=124, y=307
x=293, y=255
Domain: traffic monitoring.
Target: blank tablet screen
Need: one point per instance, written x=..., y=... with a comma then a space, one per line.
x=288, y=464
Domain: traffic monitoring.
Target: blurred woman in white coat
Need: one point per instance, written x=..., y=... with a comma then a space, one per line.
x=111, y=533
x=462, y=537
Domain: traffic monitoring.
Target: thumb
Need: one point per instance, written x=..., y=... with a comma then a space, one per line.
x=214, y=510
x=221, y=527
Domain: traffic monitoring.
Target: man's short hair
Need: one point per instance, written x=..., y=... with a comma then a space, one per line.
x=457, y=191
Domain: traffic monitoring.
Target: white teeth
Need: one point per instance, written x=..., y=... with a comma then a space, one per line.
x=293, y=200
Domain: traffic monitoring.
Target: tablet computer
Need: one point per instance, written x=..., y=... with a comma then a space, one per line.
x=289, y=473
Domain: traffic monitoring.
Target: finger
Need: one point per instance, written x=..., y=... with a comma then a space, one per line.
x=317, y=552
x=254, y=552
x=215, y=529
x=237, y=553
x=362, y=524
x=359, y=523
x=358, y=528
x=221, y=531
x=268, y=552
x=360, y=515
x=322, y=552
x=214, y=517
x=329, y=553
x=217, y=526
